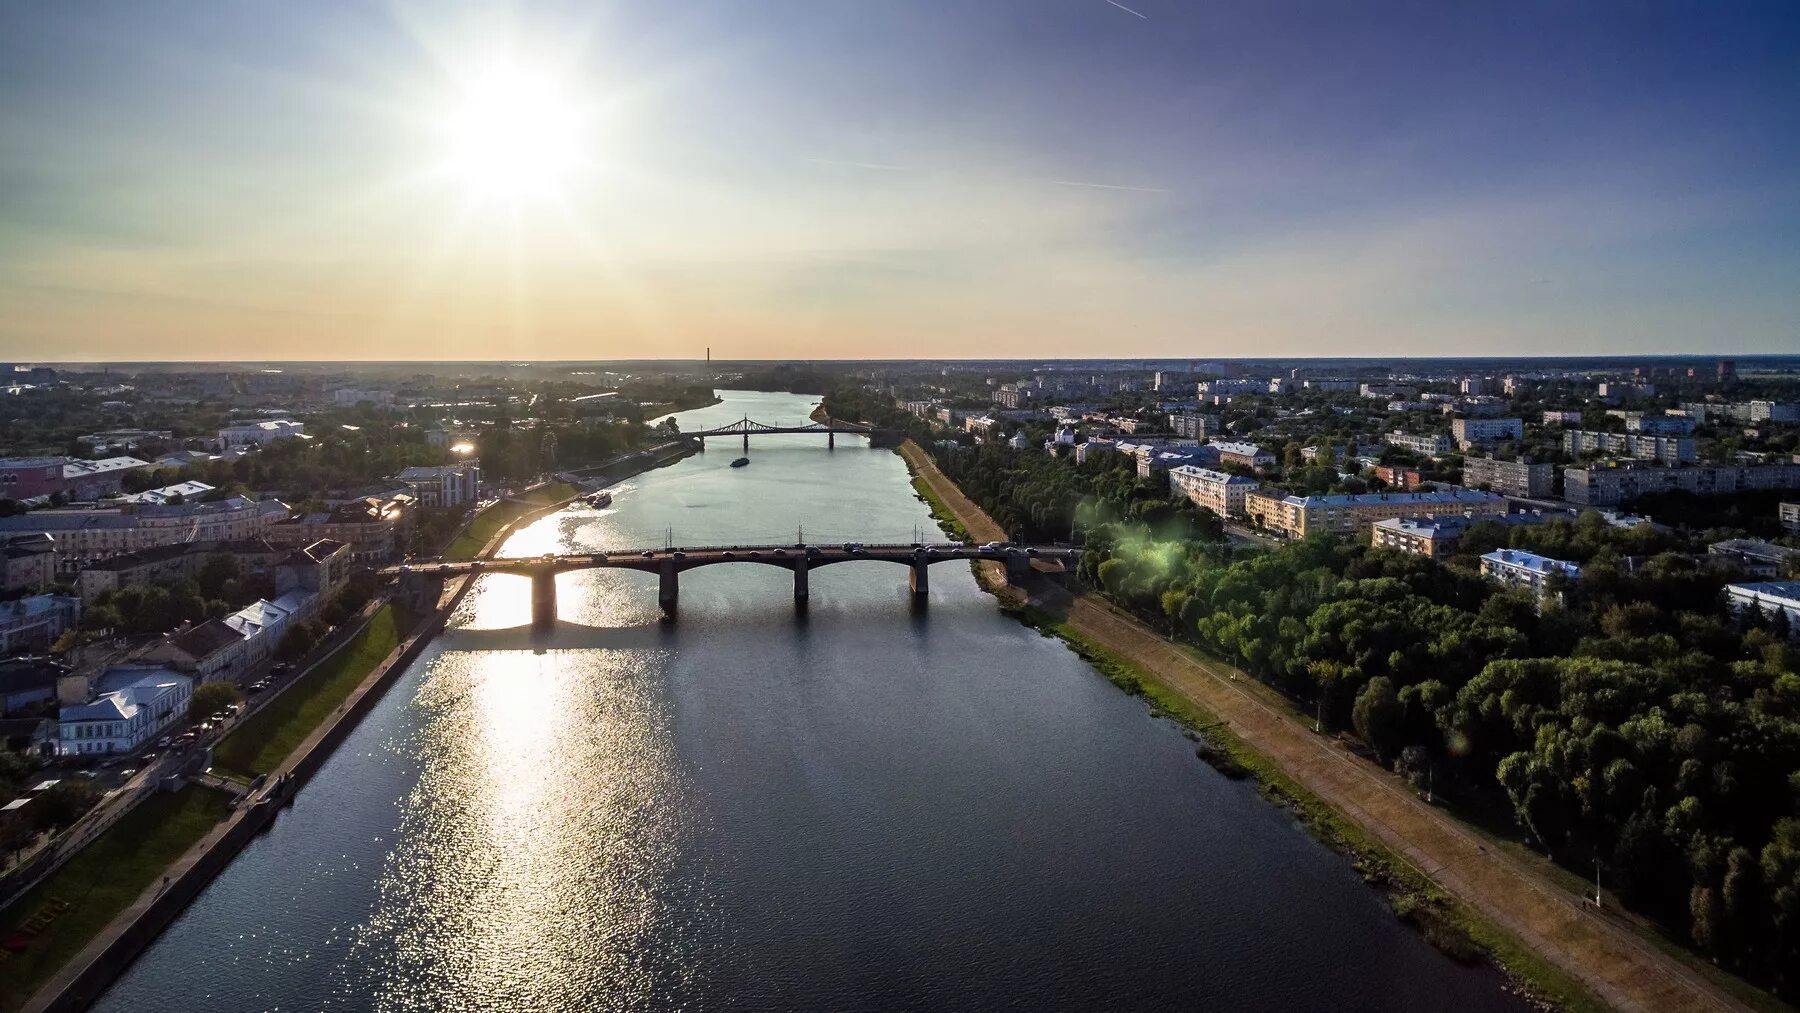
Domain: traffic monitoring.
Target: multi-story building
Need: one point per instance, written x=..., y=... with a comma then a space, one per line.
x=1389, y=392
x=1562, y=418
x=979, y=425
x=1469, y=432
x=1194, y=427
x=1475, y=407
x=1396, y=477
x=27, y=562
x=1423, y=444
x=1790, y=517
x=164, y=564
x=257, y=434
x=1518, y=568
x=1768, y=598
x=376, y=529
x=178, y=492
x=1615, y=485
x=1756, y=558
x=92, y=479
x=1659, y=425
x=1744, y=411
x=1227, y=388
x=132, y=704
x=209, y=651
x=31, y=477
x=1013, y=395
x=1436, y=537
x=1613, y=391
x=86, y=534
x=446, y=485
x=35, y=622
x=1641, y=447
x=1219, y=491
x=1331, y=385
x=1299, y=516
x=1476, y=385
x=1247, y=455
x=124, y=439
x=1509, y=478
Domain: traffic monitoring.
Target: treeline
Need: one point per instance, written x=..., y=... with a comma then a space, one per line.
x=1633, y=724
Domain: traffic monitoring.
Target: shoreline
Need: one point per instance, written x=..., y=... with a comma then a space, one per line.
x=87, y=976
x=1439, y=875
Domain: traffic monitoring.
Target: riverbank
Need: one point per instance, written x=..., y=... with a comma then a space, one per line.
x=498, y=516
x=1540, y=933
x=93, y=967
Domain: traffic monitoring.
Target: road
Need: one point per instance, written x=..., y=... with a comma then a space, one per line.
x=1604, y=953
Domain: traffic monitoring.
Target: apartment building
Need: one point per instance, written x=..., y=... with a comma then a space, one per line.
x=1790, y=517
x=1194, y=427
x=1518, y=568
x=1219, y=491
x=376, y=529
x=1756, y=558
x=1343, y=514
x=165, y=564
x=1659, y=425
x=1562, y=418
x=27, y=562
x=1509, y=478
x=86, y=534
x=1436, y=537
x=1637, y=446
x=448, y=485
x=36, y=622
x=1248, y=455
x=1469, y=432
x=1615, y=485
x=1425, y=445
x=1745, y=411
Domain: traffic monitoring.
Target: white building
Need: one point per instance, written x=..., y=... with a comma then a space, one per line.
x=132, y=704
x=1469, y=432
x=1770, y=597
x=448, y=485
x=85, y=534
x=1640, y=447
x=245, y=434
x=90, y=479
x=1221, y=492
x=1425, y=445
x=185, y=490
x=1790, y=517
x=1517, y=568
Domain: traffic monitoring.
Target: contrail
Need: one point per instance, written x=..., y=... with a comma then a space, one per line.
x=861, y=165
x=1127, y=10
x=1104, y=186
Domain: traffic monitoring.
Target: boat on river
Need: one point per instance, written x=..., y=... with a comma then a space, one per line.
x=600, y=500
x=740, y=462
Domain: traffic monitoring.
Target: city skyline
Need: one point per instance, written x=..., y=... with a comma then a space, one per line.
x=1068, y=180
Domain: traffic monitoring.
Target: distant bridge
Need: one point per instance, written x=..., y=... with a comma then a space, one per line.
x=421, y=576
x=748, y=427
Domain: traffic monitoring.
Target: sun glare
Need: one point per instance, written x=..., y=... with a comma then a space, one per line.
x=513, y=135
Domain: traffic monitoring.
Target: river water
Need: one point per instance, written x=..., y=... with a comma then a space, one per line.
x=870, y=807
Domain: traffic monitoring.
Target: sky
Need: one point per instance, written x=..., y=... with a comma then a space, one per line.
x=896, y=178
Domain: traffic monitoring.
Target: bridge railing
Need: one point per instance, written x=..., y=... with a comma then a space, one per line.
x=791, y=547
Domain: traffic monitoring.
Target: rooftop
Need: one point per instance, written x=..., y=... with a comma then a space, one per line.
x=1785, y=591
x=1519, y=558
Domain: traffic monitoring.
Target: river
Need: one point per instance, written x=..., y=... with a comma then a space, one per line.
x=866, y=807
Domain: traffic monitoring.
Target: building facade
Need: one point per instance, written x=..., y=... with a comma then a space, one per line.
x=1469, y=432
x=1300, y=516
x=1247, y=455
x=35, y=623
x=1422, y=444
x=258, y=434
x=133, y=705
x=1221, y=492
x=31, y=477
x=449, y=485
x=1518, y=568
x=84, y=535
x=1612, y=486
x=1637, y=446
x=1767, y=597
x=1509, y=478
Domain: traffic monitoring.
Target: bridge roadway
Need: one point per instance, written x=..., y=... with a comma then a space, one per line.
x=746, y=427
x=420, y=575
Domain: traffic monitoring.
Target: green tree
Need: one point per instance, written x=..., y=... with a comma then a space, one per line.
x=209, y=698
x=1376, y=716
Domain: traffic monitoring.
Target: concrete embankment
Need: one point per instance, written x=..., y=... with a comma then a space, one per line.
x=88, y=975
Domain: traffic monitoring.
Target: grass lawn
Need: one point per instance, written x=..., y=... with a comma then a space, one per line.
x=266, y=738
x=497, y=516
x=77, y=902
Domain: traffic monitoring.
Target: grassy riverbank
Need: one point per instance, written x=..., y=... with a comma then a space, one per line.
x=1445, y=922
x=73, y=905
x=266, y=738
x=488, y=522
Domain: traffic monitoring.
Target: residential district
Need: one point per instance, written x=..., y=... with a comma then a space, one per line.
x=1393, y=545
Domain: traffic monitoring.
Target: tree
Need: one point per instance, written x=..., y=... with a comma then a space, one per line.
x=209, y=698
x=65, y=802
x=1376, y=715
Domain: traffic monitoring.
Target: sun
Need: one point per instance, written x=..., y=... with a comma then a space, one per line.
x=512, y=135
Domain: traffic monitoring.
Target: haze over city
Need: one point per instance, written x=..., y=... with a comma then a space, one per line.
x=927, y=178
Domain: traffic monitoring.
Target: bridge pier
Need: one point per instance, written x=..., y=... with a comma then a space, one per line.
x=1018, y=567
x=831, y=441
x=668, y=592
x=746, y=443
x=543, y=598
x=800, y=582
x=920, y=580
